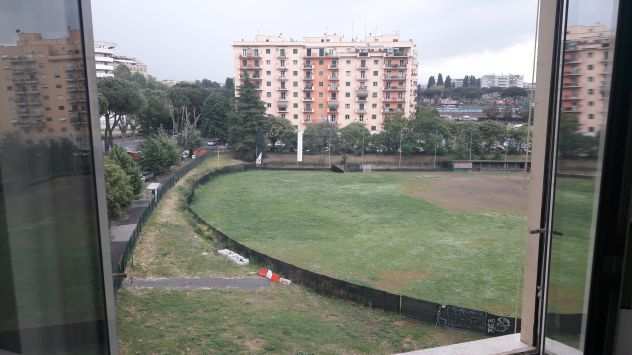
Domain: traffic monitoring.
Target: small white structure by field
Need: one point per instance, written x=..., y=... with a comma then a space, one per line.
x=236, y=258
x=154, y=187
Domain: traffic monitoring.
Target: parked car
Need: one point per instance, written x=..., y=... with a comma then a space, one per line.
x=185, y=154
x=147, y=176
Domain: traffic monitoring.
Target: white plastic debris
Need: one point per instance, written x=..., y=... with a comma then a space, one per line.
x=285, y=281
x=236, y=258
x=205, y=253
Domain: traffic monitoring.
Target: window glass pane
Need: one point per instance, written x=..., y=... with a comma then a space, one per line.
x=582, y=121
x=51, y=293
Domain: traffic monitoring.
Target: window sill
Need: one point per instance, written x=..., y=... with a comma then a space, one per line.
x=503, y=345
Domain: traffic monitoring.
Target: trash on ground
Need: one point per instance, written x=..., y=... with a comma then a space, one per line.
x=236, y=258
x=268, y=274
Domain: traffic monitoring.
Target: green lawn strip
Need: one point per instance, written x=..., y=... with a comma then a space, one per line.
x=278, y=320
x=364, y=228
x=171, y=244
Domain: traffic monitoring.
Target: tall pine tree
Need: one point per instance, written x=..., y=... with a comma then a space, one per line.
x=448, y=82
x=439, y=80
x=248, y=119
x=431, y=82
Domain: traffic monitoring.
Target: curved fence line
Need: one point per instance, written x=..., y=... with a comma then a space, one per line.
x=439, y=314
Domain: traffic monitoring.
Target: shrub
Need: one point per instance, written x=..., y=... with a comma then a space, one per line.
x=118, y=188
x=159, y=153
x=131, y=168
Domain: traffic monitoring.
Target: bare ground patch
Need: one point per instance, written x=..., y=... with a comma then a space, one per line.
x=473, y=192
x=398, y=280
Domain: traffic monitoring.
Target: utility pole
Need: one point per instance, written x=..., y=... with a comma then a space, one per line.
x=470, y=146
x=506, y=144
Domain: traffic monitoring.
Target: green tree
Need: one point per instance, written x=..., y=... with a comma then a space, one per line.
x=397, y=130
x=280, y=130
x=493, y=135
x=354, y=138
x=122, y=72
x=215, y=114
x=440, y=80
x=448, y=82
x=431, y=82
x=119, y=193
x=318, y=137
x=156, y=114
x=159, y=153
x=119, y=100
x=248, y=119
x=131, y=168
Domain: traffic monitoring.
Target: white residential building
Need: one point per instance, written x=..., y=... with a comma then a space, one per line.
x=502, y=81
x=107, y=60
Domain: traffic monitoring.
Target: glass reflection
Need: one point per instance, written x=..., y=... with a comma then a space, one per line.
x=52, y=285
x=588, y=50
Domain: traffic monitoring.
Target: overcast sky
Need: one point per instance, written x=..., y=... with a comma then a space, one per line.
x=191, y=39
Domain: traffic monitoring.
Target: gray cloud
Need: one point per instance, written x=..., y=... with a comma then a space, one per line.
x=191, y=39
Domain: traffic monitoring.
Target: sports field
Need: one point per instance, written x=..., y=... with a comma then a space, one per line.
x=452, y=238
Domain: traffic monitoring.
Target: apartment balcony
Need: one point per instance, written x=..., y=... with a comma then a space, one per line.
x=282, y=105
x=282, y=89
x=282, y=78
x=332, y=88
x=393, y=110
x=254, y=56
x=363, y=92
x=308, y=78
x=251, y=67
x=282, y=56
x=571, y=98
x=394, y=66
x=396, y=55
x=362, y=80
x=308, y=99
x=308, y=66
x=333, y=67
x=365, y=68
x=571, y=85
x=395, y=77
x=308, y=110
x=572, y=73
x=394, y=99
x=571, y=109
x=282, y=68
x=333, y=78
x=333, y=105
x=308, y=88
x=395, y=89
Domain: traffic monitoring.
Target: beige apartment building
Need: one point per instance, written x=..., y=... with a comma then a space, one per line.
x=327, y=79
x=588, y=55
x=45, y=92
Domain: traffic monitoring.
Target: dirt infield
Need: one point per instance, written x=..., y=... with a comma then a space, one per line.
x=473, y=192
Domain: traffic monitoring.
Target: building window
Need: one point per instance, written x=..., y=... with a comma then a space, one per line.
x=591, y=129
x=376, y=62
x=348, y=73
x=295, y=51
x=591, y=116
x=361, y=117
x=590, y=54
x=295, y=73
x=374, y=94
x=268, y=72
x=268, y=94
x=320, y=83
x=348, y=83
x=295, y=105
x=295, y=94
x=374, y=106
x=267, y=50
x=244, y=52
x=347, y=116
x=375, y=83
x=256, y=52
x=591, y=91
x=590, y=78
x=348, y=61
x=373, y=128
x=347, y=106
x=590, y=67
x=282, y=115
x=295, y=62
x=244, y=62
x=268, y=62
x=320, y=106
x=347, y=94
x=590, y=103
x=375, y=73
x=374, y=116
x=295, y=84
x=295, y=116
x=268, y=83
x=320, y=94
x=61, y=108
x=320, y=61
x=269, y=105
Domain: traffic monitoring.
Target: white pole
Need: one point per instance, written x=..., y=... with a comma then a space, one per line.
x=299, y=144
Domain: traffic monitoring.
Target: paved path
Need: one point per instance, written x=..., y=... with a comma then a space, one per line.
x=245, y=283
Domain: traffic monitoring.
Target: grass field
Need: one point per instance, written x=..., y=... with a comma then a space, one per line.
x=279, y=320
x=451, y=238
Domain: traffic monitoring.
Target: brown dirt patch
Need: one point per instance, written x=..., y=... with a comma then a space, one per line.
x=254, y=345
x=398, y=280
x=473, y=192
